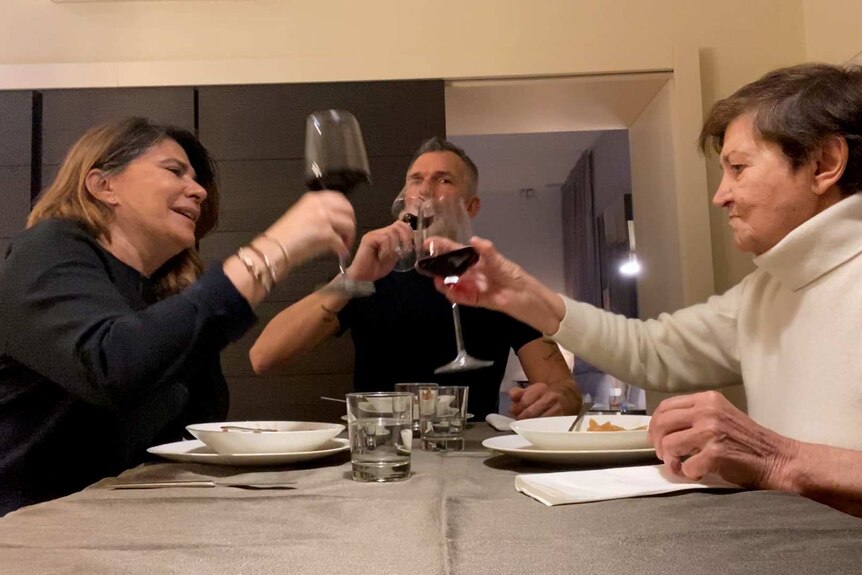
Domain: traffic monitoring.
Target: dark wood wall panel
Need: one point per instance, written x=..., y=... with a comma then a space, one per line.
x=16, y=127
x=67, y=114
x=16, y=120
x=276, y=184
x=289, y=397
x=268, y=122
x=14, y=199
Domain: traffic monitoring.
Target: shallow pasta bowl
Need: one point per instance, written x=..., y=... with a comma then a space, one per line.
x=247, y=437
x=552, y=432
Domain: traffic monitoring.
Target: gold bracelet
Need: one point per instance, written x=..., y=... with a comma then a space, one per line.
x=269, y=265
x=280, y=245
x=252, y=268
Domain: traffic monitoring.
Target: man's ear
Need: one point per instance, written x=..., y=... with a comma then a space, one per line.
x=830, y=163
x=473, y=205
x=99, y=186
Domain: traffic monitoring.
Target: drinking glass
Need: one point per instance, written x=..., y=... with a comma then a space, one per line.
x=379, y=425
x=443, y=417
x=406, y=208
x=335, y=159
x=446, y=217
x=414, y=389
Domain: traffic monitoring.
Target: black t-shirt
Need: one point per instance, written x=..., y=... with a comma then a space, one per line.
x=94, y=368
x=405, y=331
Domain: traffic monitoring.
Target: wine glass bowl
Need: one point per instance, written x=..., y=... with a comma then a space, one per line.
x=335, y=159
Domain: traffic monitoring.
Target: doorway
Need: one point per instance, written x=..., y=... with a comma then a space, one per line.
x=553, y=117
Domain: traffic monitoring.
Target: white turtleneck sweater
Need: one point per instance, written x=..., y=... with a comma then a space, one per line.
x=790, y=332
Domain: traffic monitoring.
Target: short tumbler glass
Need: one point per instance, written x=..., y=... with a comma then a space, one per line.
x=443, y=417
x=380, y=428
x=413, y=388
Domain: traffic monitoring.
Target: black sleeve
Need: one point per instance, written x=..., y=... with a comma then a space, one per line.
x=521, y=334
x=65, y=319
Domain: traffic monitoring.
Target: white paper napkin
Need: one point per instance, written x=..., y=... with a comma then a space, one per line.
x=604, y=484
x=499, y=422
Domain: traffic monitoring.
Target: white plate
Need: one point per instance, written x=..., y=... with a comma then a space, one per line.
x=196, y=451
x=256, y=437
x=469, y=417
x=517, y=446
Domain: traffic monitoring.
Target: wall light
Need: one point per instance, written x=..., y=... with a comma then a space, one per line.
x=631, y=266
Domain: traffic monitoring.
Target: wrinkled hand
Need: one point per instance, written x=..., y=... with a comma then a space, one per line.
x=541, y=400
x=703, y=432
x=378, y=252
x=494, y=282
x=319, y=222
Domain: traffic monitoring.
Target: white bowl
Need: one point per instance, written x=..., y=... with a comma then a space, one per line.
x=241, y=437
x=552, y=432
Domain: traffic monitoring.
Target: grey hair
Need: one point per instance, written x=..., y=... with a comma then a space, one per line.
x=438, y=144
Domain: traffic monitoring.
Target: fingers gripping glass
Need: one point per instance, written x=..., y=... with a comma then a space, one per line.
x=446, y=217
x=335, y=159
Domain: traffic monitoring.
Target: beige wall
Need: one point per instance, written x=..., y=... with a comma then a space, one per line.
x=44, y=44
x=833, y=30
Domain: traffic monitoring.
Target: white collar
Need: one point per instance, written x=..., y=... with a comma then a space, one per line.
x=817, y=246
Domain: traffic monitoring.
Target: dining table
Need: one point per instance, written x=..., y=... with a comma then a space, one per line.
x=457, y=513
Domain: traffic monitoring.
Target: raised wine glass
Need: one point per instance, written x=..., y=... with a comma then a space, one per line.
x=406, y=208
x=335, y=159
x=446, y=217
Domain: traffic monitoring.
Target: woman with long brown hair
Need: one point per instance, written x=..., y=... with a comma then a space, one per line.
x=110, y=330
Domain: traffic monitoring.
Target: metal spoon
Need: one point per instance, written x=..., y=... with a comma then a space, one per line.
x=244, y=428
x=585, y=407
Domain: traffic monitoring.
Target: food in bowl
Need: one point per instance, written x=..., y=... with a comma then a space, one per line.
x=245, y=437
x=608, y=426
x=552, y=433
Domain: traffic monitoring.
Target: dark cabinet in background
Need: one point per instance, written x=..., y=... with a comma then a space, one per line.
x=16, y=126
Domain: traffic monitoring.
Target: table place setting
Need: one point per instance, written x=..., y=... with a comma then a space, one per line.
x=597, y=439
x=255, y=443
x=591, y=485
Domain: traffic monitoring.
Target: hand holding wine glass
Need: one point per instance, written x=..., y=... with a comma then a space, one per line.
x=445, y=229
x=335, y=159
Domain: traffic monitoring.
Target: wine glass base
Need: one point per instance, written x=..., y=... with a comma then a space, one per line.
x=463, y=362
x=349, y=287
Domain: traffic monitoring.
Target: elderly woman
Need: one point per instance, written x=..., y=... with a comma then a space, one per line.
x=110, y=330
x=791, y=153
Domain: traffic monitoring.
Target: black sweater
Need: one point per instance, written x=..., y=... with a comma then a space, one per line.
x=94, y=368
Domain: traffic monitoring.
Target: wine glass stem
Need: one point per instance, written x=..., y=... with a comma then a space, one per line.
x=341, y=265
x=459, y=339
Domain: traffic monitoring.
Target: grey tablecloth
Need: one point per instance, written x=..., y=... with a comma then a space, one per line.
x=457, y=514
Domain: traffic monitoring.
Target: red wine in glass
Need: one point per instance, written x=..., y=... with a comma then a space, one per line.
x=345, y=181
x=452, y=263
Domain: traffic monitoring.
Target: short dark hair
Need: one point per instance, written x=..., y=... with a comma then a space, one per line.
x=798, y=108
x=438, y=144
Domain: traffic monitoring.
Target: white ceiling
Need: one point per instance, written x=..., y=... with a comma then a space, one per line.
x=540, y=105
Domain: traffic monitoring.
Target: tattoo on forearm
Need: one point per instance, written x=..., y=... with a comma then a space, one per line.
x=553, y=353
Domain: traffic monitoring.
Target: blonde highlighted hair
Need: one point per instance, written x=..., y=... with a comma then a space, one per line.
x=110, y=148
